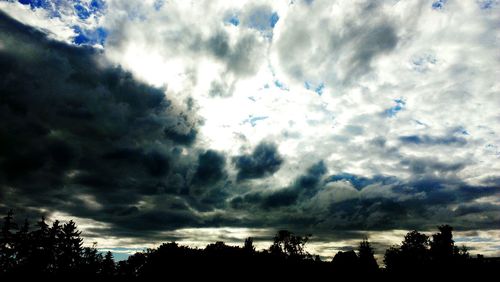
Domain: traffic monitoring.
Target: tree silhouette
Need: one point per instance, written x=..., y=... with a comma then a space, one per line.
x=23, y=245
x=412, y=256
x=415, y=250
x=442, y=246
x=392, y=259
x=248, y=246
x=91, y=262
x=70, y=247
x=43, y=255
x=131, y=268
x=345, y=262
x=7, y=243
x=53, y=245
x=290, y=245
x=366, y=258
x=108, y=265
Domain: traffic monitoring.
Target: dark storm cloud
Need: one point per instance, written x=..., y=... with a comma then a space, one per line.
x=419, y=203
x=304, y=187
x=264, y=161
x=281, y=198
x=185, y=138
x=375, y=203
x=81, y=136
x=312, y=176
x=211, y=167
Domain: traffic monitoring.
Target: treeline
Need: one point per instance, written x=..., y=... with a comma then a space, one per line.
x=45, y=250
x=56, y=252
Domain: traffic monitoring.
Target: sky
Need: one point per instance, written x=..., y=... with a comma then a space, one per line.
x=196, y=121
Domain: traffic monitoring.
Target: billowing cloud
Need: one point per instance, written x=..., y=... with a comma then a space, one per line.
x=211, y=167
x=82, y=136
x=263, y=161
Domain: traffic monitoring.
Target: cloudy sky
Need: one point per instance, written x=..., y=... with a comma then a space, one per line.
x=195, y=121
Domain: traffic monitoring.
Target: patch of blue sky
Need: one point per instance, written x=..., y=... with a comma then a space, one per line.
x=319, y=88
x=82, y=12
x=472, y=239
x=120, y=254
x=393, y=111
x=439, y=4
x=281, y=85
x=233, y=19
x=50, y=6
x=85, y=10
x=89, y=37
x=82, y=9
x=273, y=20
x=263, y=20
x=44, y=4
x=253, y=120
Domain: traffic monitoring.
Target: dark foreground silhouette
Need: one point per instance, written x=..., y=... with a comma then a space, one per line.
x=56, y=252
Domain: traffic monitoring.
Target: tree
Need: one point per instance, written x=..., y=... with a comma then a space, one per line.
x=108, y=265
x=442, y=246
x=345, y=262
x=366, y=258
x=415, y=248
x=7, y=243
x=70, y=246
x=411, y=256
x=90, y=261
x=290, y=245
x=41, y=255
x=54, y=246
x=249, y=247
x=392, y=259
x=23, y=245
x=131, y=268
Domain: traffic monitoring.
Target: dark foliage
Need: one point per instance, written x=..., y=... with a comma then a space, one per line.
x=56, y=252
x=49, y=251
